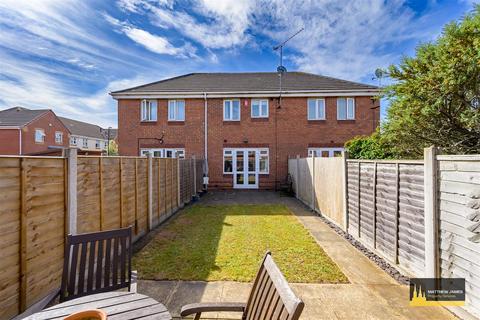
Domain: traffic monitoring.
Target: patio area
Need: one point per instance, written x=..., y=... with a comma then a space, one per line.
x=370, y=293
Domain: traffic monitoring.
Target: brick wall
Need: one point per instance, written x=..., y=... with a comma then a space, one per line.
x=50, y=124
x=286, y=127
x=9, y=141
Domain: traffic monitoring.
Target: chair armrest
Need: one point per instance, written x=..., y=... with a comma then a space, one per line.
x=211, y=306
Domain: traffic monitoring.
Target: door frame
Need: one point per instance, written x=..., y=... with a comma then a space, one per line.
x=245, y=171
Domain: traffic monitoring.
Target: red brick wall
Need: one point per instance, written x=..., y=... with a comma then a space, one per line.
x=9, y=141
x=294, y=132
x=50, y=124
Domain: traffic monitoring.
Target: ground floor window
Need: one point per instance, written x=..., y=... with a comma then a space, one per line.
x=164, y=152
x=325, y=152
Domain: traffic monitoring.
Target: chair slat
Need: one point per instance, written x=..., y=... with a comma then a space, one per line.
x=250, y=309
x=268, y=301
x=261, y=299
x=98, y=283
x=108, y=262
x=123, y=260
x=82, y=268
x=91, y=265
x=115, y=261
x=73, y=270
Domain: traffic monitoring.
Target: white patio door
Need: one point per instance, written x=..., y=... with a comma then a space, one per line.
x=245, y=168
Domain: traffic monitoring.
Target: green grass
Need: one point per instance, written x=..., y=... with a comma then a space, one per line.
x=228, y=242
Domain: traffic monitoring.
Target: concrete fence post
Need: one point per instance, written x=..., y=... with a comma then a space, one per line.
x=430, y=209
x=297, y=177
x=194, y=176
x=313, y=182
x=150, y=190
x=345, y=190
x=179, y=201
x=71, y=155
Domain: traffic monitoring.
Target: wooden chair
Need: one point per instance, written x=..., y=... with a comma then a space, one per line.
x=270, y=298
x=97, y=262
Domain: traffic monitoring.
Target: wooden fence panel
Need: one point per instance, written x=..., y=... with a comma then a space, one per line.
x=459, y=227
x=10, y=211
x=88, y=195
x=387, y=198
x=163, y=188
x=155, y=191
x=44, y=187
x=142, y=196
x=111, y=201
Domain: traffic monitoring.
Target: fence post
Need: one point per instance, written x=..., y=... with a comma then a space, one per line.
x=397, y=218
x=150, y=191
x=345, y=190
x=297, y=176
x=430, y=209
x=71, y=154
x=375, y=205
x=313, y=182
x=194, y=176
x=178, y=183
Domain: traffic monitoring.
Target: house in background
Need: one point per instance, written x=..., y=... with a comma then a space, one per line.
x=243, y=124
x=31, y=132
x=88, y=138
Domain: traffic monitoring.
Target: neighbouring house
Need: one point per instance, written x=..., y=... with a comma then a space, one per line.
x=243, y=124
x=88, y=138
x=31, y=132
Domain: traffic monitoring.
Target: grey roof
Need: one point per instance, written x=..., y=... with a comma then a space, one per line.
x=247, y=82
x=84, y=129
x=19, y=116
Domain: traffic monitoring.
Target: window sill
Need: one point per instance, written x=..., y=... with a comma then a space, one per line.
x=259, y=119
x=148, y=123
x=345, y=121
x=176, y=122
x=317, y=121
x=234, y=122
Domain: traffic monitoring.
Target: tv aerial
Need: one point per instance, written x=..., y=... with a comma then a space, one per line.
x=281, y=68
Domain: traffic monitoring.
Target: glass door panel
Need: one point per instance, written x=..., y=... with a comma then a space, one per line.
x=245, y=166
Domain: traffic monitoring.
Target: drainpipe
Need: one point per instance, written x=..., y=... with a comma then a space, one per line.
x=20, y=140
x=206, y=136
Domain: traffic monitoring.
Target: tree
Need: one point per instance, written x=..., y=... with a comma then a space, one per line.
x=112, y=148
x=435, y=99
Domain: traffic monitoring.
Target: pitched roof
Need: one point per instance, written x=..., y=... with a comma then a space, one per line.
x=84, y=129
x=19, y=116
x=247, y=82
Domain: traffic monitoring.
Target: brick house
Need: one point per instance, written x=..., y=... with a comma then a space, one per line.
x=241, y=125
x=89, y=138
x=31, y=132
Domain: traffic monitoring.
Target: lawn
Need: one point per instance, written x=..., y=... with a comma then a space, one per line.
x=228, y=242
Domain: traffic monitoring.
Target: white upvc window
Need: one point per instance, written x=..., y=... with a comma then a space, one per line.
x=58, y=137
x=325, y=152
x=176, y=110
x=345, y=109
x=316, y=109
x=39, y=135
x=259, y=108
x=85, y=143
x=73, y=141
x=149, y=110
x=231, y=110
x=263, y=161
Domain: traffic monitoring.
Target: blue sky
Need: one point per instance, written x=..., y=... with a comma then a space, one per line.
x=67, y=55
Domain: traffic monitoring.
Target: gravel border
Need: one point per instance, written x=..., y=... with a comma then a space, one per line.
x=384, y=265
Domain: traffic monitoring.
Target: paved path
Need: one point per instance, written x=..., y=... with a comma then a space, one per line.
x=371, y=294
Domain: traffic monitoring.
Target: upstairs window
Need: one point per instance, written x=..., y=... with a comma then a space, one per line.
x=231, y=110
x=260, y=108
x=345, y=109
x=39, y=136
x=176, y=110
x=73, y=141
x=149, y=110
x=85, y=142
x=97, y=144
x=58, y=137
x=316, y=109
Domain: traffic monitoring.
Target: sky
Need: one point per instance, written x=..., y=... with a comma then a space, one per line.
x=68, y=55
